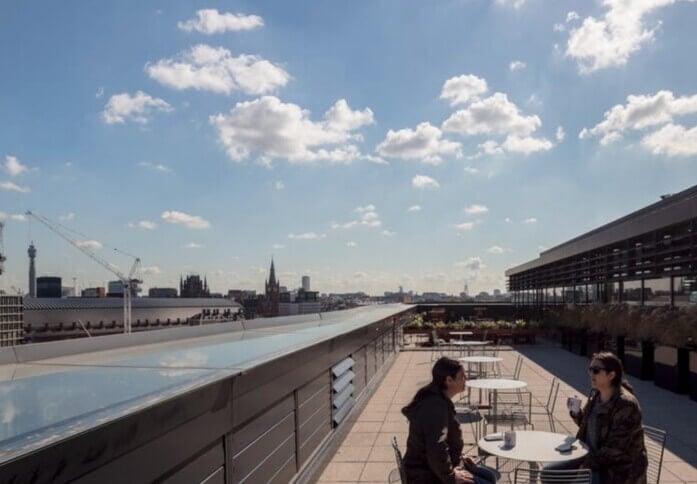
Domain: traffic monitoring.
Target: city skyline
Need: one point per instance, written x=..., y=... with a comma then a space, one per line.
x=368, y=146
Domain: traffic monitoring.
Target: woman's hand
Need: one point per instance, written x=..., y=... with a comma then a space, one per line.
x=463, y=477
x=469, y=464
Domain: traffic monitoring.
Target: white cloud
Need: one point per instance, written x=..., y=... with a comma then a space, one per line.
x=572, y=16
x=190, y=221
x=13, y=187
x=155, y=166
x=13, y=166
x=67, y=217
x=368, y=217
x=279, y=185
x=100, y=92
x=474, y=209
x=423, y=181
x=642, y=112
x=463, y=89
x=530, y=220
x=351, y=243
x=465, y=226
x=146, y=225
x=207, y=68
x=210, y=21
x=610, y=40
x=560, y=134
x=306, y=236
x=89, y=244
x=516, y=4
x=193, y=245
x=151, y=270
x=124, y=107
x=507, y=220
x=278, y=246
x=388, y=233
x=495, y=249
x=275, y=129
x=414, y=208
x=558, y=28
x=517, y=65
x=493, y=115
x=473, y=264
x=18, y=217
x=672, y=140
x=526, y=145
x=471, y=170
x=424, y=143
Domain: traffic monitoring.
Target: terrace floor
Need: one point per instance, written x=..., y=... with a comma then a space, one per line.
x=366, y=455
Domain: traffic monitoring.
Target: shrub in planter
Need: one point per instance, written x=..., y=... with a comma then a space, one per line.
x=671, y=368
x=692, y=381
x=638, y=358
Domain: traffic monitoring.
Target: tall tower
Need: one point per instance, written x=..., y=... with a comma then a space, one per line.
x=306, y=283
x=32, y=270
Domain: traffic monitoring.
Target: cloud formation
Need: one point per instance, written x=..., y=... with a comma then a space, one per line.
x=641, y=113
x=367, y=217
x=517, y=66
x=214, y=69
x=476, y=208
x=414, y=208
x=423, y=181
x=463, y=89
x=155, y=166
x=424, y=143
x=13, y=166
x=88, y=244
x=9, y=186
x=277, y=130
x=306, y=236
x=144, y=225
x=190, y=221
x=609, y=41
x=138, y=108
x=495, y=249
x=210, y=21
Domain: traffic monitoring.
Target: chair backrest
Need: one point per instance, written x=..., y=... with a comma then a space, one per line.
x=398, y=458
x=557, y=476
x=552, y=397
x=655, y=442
x=518, y=367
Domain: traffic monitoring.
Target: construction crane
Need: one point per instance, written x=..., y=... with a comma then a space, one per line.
x=129, y=282
x=2, y=250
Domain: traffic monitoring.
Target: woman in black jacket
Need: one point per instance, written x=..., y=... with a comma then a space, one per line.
x=434, y=445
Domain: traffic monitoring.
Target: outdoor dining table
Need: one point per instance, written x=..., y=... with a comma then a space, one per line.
x=469, y=345
x=494, y=385
x=461, y=334
x=535, y=446
x=480, y=361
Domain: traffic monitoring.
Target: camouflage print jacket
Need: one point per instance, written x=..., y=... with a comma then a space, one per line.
x=620, y=457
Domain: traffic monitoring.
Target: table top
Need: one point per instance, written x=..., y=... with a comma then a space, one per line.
x=481, y=359
x=536, y=446
x=496, y=384
x=462, y=333
x=474, y=343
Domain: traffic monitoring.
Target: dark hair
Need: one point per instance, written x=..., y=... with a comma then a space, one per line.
x=443, y=368
x=611, y=362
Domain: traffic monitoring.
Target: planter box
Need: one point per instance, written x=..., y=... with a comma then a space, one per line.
x=638, y=358
x=595, y=343
x=693, y=375
x=580, y=342
x=671, y=368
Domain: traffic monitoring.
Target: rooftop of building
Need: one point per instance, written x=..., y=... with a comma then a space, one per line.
x=53, y=303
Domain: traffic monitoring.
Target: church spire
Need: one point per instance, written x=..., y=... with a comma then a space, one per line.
x=272, y=274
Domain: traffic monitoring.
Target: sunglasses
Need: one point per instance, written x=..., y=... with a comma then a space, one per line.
x=596, y=369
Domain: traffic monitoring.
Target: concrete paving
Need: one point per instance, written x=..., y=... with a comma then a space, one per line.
x=366, y=454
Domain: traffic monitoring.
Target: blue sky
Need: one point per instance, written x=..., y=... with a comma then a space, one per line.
x=367, y=144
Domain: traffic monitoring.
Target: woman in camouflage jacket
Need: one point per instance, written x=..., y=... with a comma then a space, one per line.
x=611, y=425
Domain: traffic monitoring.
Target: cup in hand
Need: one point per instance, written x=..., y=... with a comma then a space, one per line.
x=573, y=404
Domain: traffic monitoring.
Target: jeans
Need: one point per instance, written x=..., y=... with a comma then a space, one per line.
x=569, y=464
x=484, y=475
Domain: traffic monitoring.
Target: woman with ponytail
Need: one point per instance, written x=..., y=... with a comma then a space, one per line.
x=611, y=425
x=434, y=445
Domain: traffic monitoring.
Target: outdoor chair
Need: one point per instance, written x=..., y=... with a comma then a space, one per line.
x=655, y=442
x=439, y=346
x=517, y=413
x=397, y=475
x=553, y=476
x=548, y=408
x=516, y=370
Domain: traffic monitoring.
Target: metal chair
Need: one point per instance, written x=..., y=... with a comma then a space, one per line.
x=516, y=370
x=552, y=476
x=399, y=476
x=655, y=442
x=548, y=409
x=437, y=343
x=515, y=413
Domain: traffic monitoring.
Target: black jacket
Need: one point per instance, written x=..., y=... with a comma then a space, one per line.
x=434, y=445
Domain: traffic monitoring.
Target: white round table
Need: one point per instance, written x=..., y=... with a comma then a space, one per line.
x=462, y=333
x=481, y=361
x=536, y=446
x=493, y=385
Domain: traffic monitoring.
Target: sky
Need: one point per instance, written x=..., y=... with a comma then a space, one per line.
x=367, y=144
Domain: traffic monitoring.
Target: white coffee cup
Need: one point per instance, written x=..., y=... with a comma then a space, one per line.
x=573, y=404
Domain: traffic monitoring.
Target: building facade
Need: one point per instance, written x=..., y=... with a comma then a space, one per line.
x=11, y=320
x=267, y=306
x=648, y=257
x=162, y=292
x=49, y=286
x=193, y=286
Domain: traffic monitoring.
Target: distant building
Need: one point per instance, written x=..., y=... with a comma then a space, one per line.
x=11, y=320
x=115, y=289
x=48, y=286
x=31, y=252
x=68, y=291
x=306, y=283
x=162, y=292
x=268, y=303
x=193, y=286
x=240, y=295
x=300, y=302
x=93, y=292
x=497, y=292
